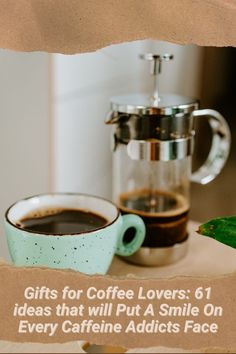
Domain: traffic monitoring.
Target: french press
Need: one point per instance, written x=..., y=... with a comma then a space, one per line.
x=153, y=146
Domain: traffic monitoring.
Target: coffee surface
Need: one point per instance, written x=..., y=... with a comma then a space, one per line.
x=61, y=221
x=153, y=203
x=165, y=216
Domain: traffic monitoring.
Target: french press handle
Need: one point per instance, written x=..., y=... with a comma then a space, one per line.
x=220, y=146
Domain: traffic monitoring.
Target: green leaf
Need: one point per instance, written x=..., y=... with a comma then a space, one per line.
x=221, y=229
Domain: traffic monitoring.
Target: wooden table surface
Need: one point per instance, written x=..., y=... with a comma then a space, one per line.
x=205, y=257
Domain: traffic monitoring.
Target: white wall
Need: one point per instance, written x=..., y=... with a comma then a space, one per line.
x=83, y=85
x=24, y=133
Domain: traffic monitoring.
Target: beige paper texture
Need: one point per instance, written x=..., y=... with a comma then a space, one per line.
x=73, y=26
x=14, y=280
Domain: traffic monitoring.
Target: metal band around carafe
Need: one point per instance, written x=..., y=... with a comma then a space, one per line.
x=159, y=150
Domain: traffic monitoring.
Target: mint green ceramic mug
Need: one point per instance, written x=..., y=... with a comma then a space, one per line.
x=88, y=252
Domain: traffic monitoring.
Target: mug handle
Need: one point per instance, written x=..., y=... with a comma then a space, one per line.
x=128, y=221
x=220, y=147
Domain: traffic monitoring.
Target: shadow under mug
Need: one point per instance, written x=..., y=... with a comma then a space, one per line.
x=88, y=252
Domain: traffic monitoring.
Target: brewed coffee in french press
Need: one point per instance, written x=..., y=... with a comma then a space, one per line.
x=153, y=145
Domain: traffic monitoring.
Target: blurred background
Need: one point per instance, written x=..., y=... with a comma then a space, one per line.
x=53, y=107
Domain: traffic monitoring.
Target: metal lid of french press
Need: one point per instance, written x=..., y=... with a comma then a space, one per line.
x=154, y=127
x=155, y=103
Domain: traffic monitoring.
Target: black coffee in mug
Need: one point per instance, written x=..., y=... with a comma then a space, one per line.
x=61, y=221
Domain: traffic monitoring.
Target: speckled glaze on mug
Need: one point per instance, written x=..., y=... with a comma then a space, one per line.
x=88, y=252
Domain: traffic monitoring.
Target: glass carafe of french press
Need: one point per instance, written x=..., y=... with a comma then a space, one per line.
x=153, y=144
